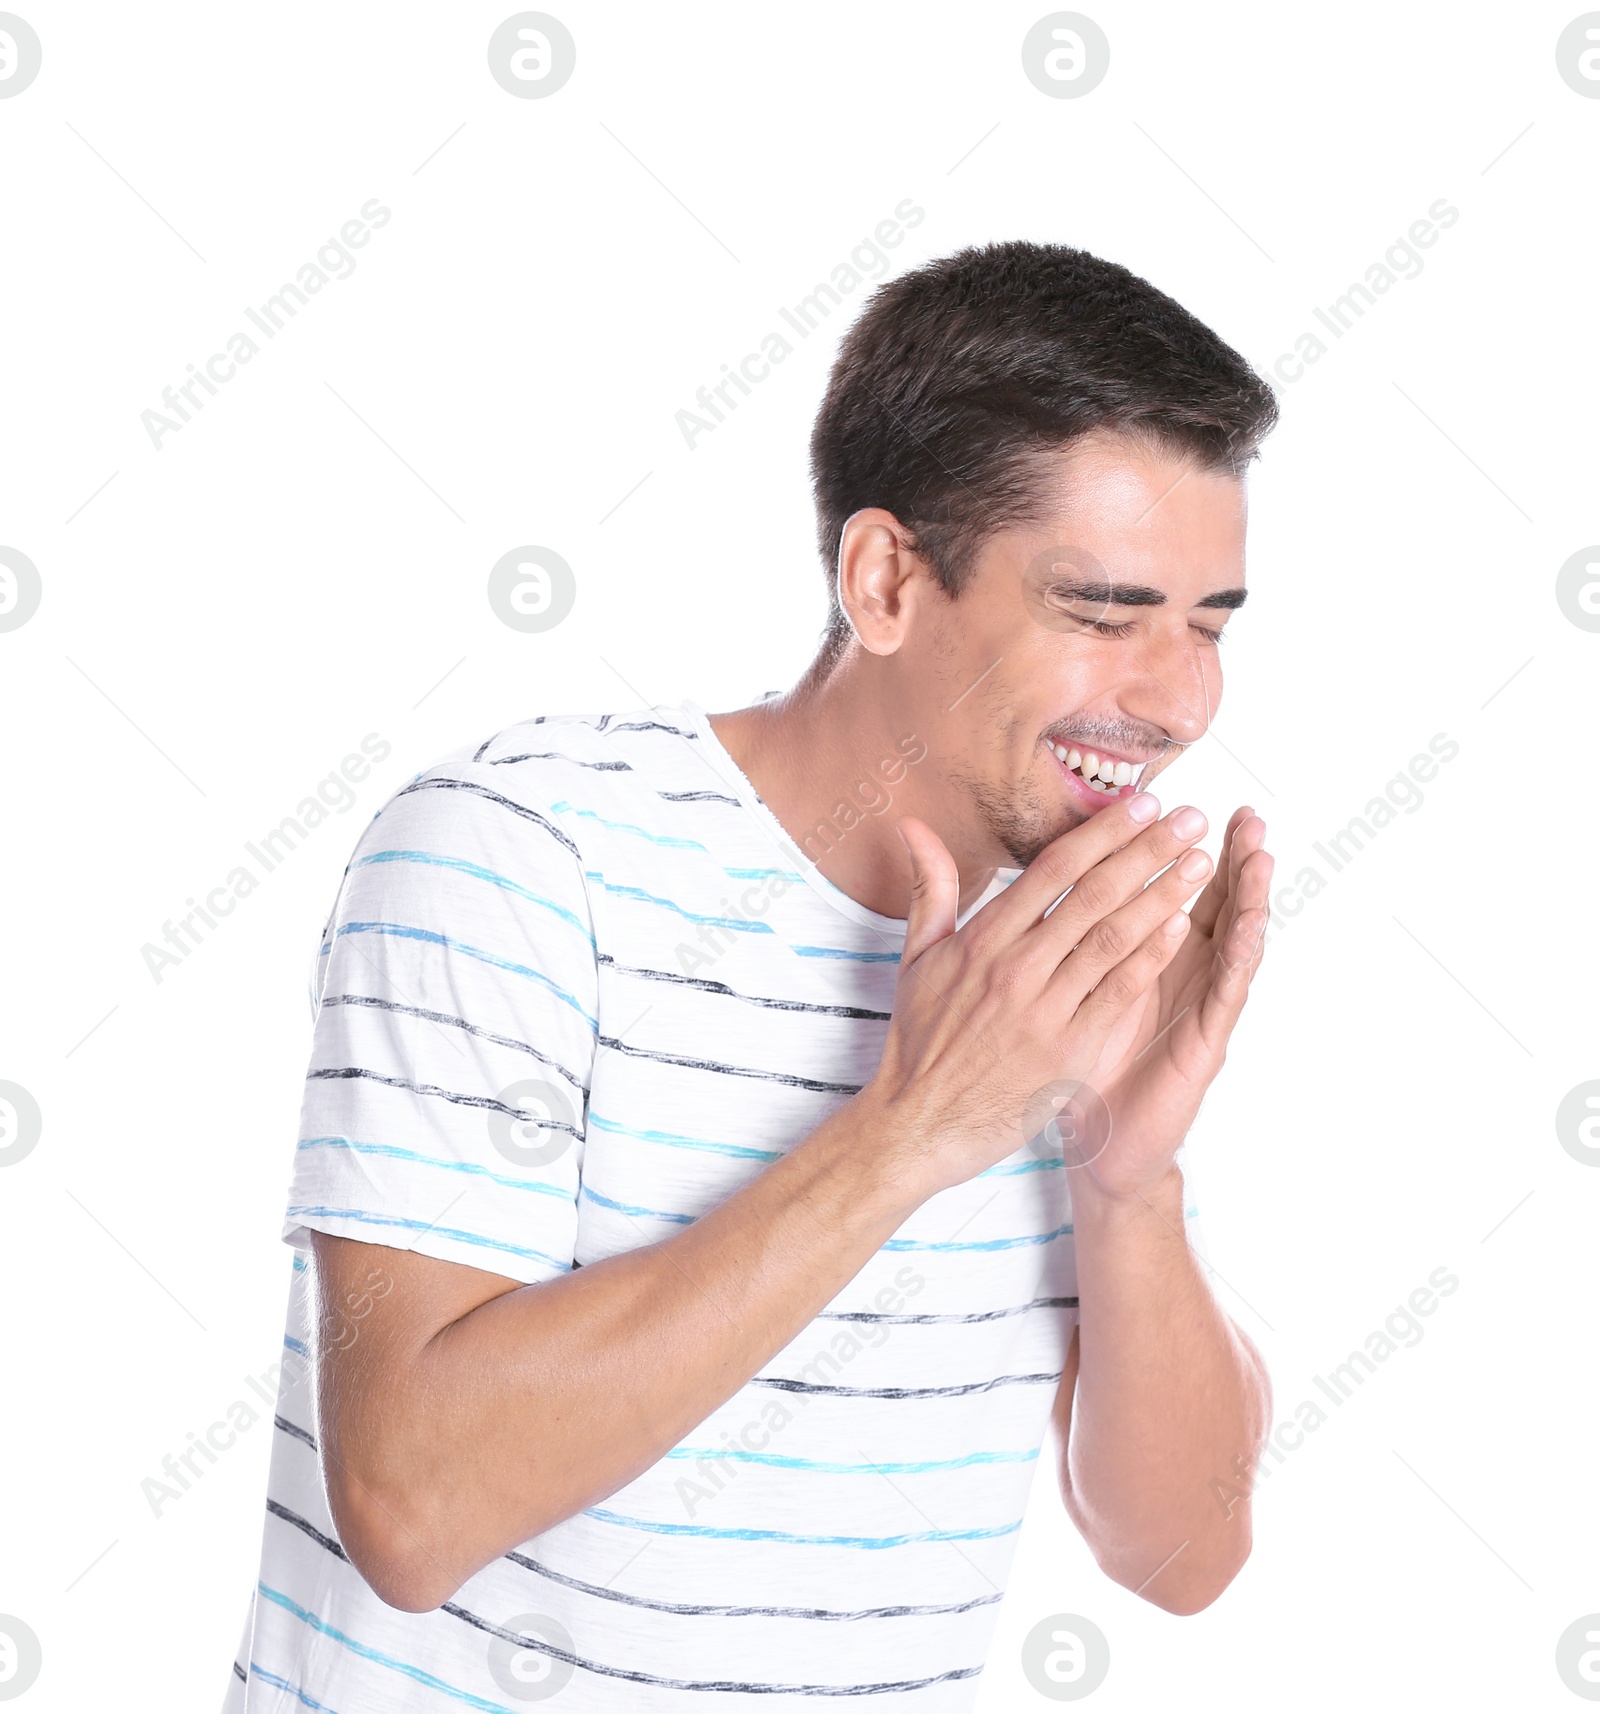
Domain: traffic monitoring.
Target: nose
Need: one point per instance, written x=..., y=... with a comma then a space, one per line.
x=1175, y=683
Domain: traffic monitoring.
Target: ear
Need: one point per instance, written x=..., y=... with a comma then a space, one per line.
x=880, y=578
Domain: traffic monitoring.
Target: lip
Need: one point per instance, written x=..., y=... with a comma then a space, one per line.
x=1084, y=793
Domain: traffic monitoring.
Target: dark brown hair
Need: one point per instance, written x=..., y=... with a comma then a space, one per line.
x=960, y=379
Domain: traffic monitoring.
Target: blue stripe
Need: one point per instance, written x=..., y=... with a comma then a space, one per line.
x=866, y=1541
x=482, y=874
x=563, y=807
x=293, y=1344
x=299, y=1211
x=293, y=1689
x=390, y=1151
x=978, y=1243
x=943, y=1245
x=1004, y=1171
x=414, y=1673
x=639, y=1213
x=668, y=905
x=763, y=874
x=995, y=1243
x=836, y=952
x=673, y=1140
x=403, y=932
x=718, y=1454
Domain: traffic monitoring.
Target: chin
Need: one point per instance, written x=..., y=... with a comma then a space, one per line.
x=1022, y=855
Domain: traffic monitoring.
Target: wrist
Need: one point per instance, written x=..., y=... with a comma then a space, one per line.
x=865, y=1161
x=1094, y=1201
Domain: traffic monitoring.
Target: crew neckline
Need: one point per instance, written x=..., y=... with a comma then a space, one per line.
x=719, y=757
x=752, y=801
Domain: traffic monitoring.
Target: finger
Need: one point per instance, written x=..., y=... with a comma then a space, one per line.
x=1116, y=880
x=1114, y=937
x=1238, y=955
x=1247, y=838
x=1210, y=903
x=1254, y=892
x=935, y=889
x=1131, y=977
x=1062, y=862
x=1233, y=966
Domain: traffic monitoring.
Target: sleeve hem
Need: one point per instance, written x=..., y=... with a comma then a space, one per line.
x=445, y=1244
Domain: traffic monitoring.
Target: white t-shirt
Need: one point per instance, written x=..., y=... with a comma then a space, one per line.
x=596, y=921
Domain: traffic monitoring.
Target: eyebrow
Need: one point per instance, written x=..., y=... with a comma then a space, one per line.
x=1139, y=595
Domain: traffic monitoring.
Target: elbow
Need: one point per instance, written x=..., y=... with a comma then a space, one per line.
x=400, y=1558
x=1186, y=1580
x=403, y=1586
x=1190, y=1591
x=400, y=1581
x=414, y=1556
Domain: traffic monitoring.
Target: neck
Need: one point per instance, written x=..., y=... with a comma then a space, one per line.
x=838, y=760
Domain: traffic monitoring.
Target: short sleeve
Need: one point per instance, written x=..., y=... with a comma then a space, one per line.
x=454, y=1033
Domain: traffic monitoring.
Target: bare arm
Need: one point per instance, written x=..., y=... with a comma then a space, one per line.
x=464, y=1413
x=1161, y=1394
x=1164, y=1400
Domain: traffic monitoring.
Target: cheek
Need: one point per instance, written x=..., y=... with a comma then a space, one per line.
x=1059, y=675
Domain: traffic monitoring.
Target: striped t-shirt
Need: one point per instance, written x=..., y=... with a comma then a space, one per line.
x=577, y=987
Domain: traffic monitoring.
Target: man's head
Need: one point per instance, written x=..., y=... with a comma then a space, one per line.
x=1028, y=470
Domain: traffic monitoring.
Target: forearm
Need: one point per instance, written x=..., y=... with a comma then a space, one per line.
x=547, y=1398
x=1168, y=1395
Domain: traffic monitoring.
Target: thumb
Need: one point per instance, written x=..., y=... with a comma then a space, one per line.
x=935, y=889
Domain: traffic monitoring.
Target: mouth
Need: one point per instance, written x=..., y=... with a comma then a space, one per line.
x=1098, y=777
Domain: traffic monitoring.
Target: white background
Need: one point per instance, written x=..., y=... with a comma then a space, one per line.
x=305, y=563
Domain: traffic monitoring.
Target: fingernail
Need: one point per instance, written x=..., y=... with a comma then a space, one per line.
x=1176, y=923
x=1194, y=866
x=1188, y=822
x=1143, y=806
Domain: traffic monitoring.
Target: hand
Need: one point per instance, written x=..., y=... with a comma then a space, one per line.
x=1161, y=1057
x=1024, y=995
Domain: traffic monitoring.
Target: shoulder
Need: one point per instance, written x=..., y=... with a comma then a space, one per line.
x=551, y=780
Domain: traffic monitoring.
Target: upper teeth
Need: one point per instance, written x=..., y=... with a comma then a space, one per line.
x=1100, y=771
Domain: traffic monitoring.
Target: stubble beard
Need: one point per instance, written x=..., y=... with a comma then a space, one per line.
x=1021, y=821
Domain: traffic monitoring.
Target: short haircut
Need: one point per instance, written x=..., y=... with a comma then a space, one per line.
x=960, y=379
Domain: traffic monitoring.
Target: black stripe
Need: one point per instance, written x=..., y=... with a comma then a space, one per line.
x=705, y=985
x=295, y=1429
x=561, y=756
x=481, y=1624
x=309, y=1529
x=960, y=1390
x=488, y=1102
x=738, y=1686
x=494, y=797
x=683, y=1609
x=567, y=719
x=456, y=1023
x=603, y=724
x=700, y=797
x=812, y=1083
x=652, y=726
x=926, y=1320
x=240, y=1671
x=692, y=1610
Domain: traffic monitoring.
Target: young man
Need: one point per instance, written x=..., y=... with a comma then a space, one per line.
x=721, y=1168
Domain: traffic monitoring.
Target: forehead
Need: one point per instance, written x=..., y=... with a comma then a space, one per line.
x=1149, y=516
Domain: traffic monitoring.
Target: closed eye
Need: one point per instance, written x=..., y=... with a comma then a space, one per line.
x=1125, y=627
